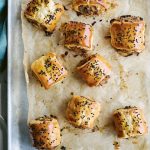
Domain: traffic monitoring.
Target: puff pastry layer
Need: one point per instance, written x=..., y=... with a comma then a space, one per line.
x=82, y=112
x=130, y=122
x=95, y=70
x=45, y=132
x=44, y=14
x=127, y=34
x=89, y=7
x=78, y=36
x=48, y=70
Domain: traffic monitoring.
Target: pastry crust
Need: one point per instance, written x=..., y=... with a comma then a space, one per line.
x=78, y=36
x=130, y=122
x=89, y=7
x=44, y=14
x=82, y=112
x=127, y=34
x=95, y=70
x=45, y=132
x=48, y=70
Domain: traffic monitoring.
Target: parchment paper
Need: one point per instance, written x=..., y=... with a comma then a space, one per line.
x=129, y=84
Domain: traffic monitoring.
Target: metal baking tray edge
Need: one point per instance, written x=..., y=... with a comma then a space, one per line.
x=18, y=137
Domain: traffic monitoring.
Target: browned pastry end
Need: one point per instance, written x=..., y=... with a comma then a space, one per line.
x=95, y=70
x=44, y=14
x=130, y=122
x=89, y=7
x=45, y=132
x=82, y=112
x=48, y=70
x=78, y=36
x=128, y=34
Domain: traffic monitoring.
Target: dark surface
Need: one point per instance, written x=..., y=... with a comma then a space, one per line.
x=3, y=75
x=3, y=104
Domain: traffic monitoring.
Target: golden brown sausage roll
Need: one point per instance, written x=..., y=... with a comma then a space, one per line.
x=48, y=70
x=130, y=122
x=44, y=14
x=82, y=112
x=127, y=34
x=45, y=132
x=90, y=7
x=95, y=70
x=78, y=36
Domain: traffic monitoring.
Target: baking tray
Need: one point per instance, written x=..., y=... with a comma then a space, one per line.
x=18, y=136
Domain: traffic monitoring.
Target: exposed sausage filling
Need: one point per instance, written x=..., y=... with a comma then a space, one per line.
x=85, y=9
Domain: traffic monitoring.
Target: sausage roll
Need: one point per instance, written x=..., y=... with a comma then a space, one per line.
x=130, y=122
x=45, y=132
x=48, y=70
x=78, y=36
x=127, y=34
x=82, y=112
x=90, y=7
x=95, y=70
x=44, y=14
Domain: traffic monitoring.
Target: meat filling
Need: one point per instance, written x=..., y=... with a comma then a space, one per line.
x=85, y=9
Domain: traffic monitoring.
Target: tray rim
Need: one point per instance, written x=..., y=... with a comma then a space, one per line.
x=17, y=103
x=9, y=77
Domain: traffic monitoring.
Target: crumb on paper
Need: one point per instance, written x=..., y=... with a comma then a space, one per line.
x=65, y=54
x=63, y=148
x=116, y=145
x=72, y=93
x=93, y=23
